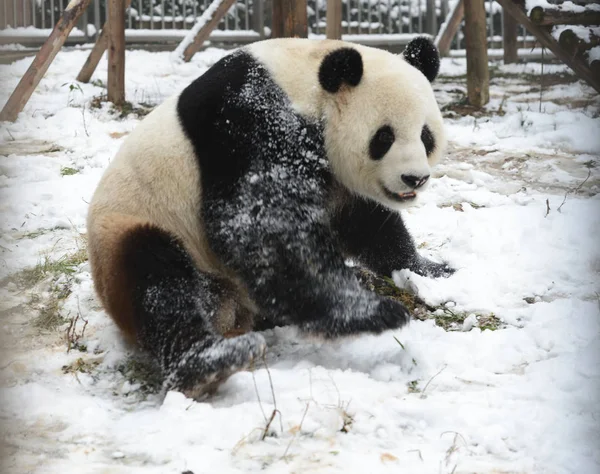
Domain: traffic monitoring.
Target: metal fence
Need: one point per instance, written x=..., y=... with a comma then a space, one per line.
x=160, y=21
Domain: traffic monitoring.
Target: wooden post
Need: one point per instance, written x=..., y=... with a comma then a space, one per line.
x=334, y=19
x=42, y=60
x=95, y=55
x=509, y=38
x=258, y=18
x=449, y=28
x=207, y=22
x=290, y=19
x=116, y=52
x=431, y=22
x=478, y=75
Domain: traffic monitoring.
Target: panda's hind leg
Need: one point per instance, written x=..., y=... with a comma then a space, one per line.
x=151, y=287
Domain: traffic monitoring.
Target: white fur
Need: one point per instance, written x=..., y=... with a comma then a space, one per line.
x=155, y=177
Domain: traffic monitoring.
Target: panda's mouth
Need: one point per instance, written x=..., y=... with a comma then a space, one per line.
x=399, y=197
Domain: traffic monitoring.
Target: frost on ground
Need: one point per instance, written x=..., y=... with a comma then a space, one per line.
x=499, y=373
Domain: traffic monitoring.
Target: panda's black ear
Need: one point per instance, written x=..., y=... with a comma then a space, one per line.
x=422, y=54
x=339, y=66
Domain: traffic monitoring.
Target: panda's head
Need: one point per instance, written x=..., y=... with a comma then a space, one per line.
x=383, y=127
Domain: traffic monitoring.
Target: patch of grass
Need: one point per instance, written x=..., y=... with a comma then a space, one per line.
x=98, y=83
x=443, y=315
x=65, y=265
x=448, y=319
x=385, y=286
x=81, y=366
x=413, y=386
x=490, y=322
x=140, y=370
x=124, y=109
x=68, y=171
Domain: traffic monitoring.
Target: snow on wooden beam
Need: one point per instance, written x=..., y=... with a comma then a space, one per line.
x=553, y=16
x=583, y=70
x=449, y=28
x=42, y=60
x=207, y=22
x=95, y=55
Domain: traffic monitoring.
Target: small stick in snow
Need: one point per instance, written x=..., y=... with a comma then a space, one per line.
x=576, y=189
x=547, y=207
x=296, y=432
x=427, y=384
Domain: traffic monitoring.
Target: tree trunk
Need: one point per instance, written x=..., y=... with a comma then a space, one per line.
x=509, y=38
x=116, y=52
x=334, y=19
x=95, y=55
x=290, y=19
x=478, y=75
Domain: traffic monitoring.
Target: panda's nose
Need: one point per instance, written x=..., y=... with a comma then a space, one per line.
x=414, y=181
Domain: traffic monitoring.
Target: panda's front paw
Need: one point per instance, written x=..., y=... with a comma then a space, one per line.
x=202, y=369
x=389, y=314
x=431, y=269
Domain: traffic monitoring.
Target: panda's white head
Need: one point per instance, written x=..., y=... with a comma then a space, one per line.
x=383, y=127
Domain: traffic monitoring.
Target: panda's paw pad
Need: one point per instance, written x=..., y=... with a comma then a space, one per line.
x=200, y=373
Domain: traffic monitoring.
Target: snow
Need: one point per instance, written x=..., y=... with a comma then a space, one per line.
x=522, y=398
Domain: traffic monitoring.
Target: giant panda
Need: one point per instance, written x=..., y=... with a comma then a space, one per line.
x=235, y=205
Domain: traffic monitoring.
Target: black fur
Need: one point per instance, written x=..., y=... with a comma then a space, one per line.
x=174, y=307
x=377, y=237
x=381, y=142
x=422, y=54
x=428, y=140
x=267, y=219
x=339, y=66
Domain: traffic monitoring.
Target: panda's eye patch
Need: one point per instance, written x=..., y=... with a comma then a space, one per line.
x=381, y=142
x=428, y=140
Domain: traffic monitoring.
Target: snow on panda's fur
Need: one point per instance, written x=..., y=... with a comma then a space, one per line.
x=233, y=205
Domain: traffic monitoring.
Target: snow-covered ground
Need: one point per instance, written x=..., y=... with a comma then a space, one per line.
x=515, y=387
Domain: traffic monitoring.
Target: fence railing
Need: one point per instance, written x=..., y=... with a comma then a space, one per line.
x=158, y=21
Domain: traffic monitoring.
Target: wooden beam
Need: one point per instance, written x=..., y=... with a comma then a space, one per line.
x=509, y=38
x=449, y=28
x=290, y=19
x=576, y=46
x=552, y=16
x=334, y=19
x=95, y=55
x=116, y=52
x=478, y=75
x=42, y=60
x=517, y=10
x=204, y=26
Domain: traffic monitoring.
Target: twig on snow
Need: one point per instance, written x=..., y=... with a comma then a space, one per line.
x=427, y=384
x=575, y=189
x=296, y=432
